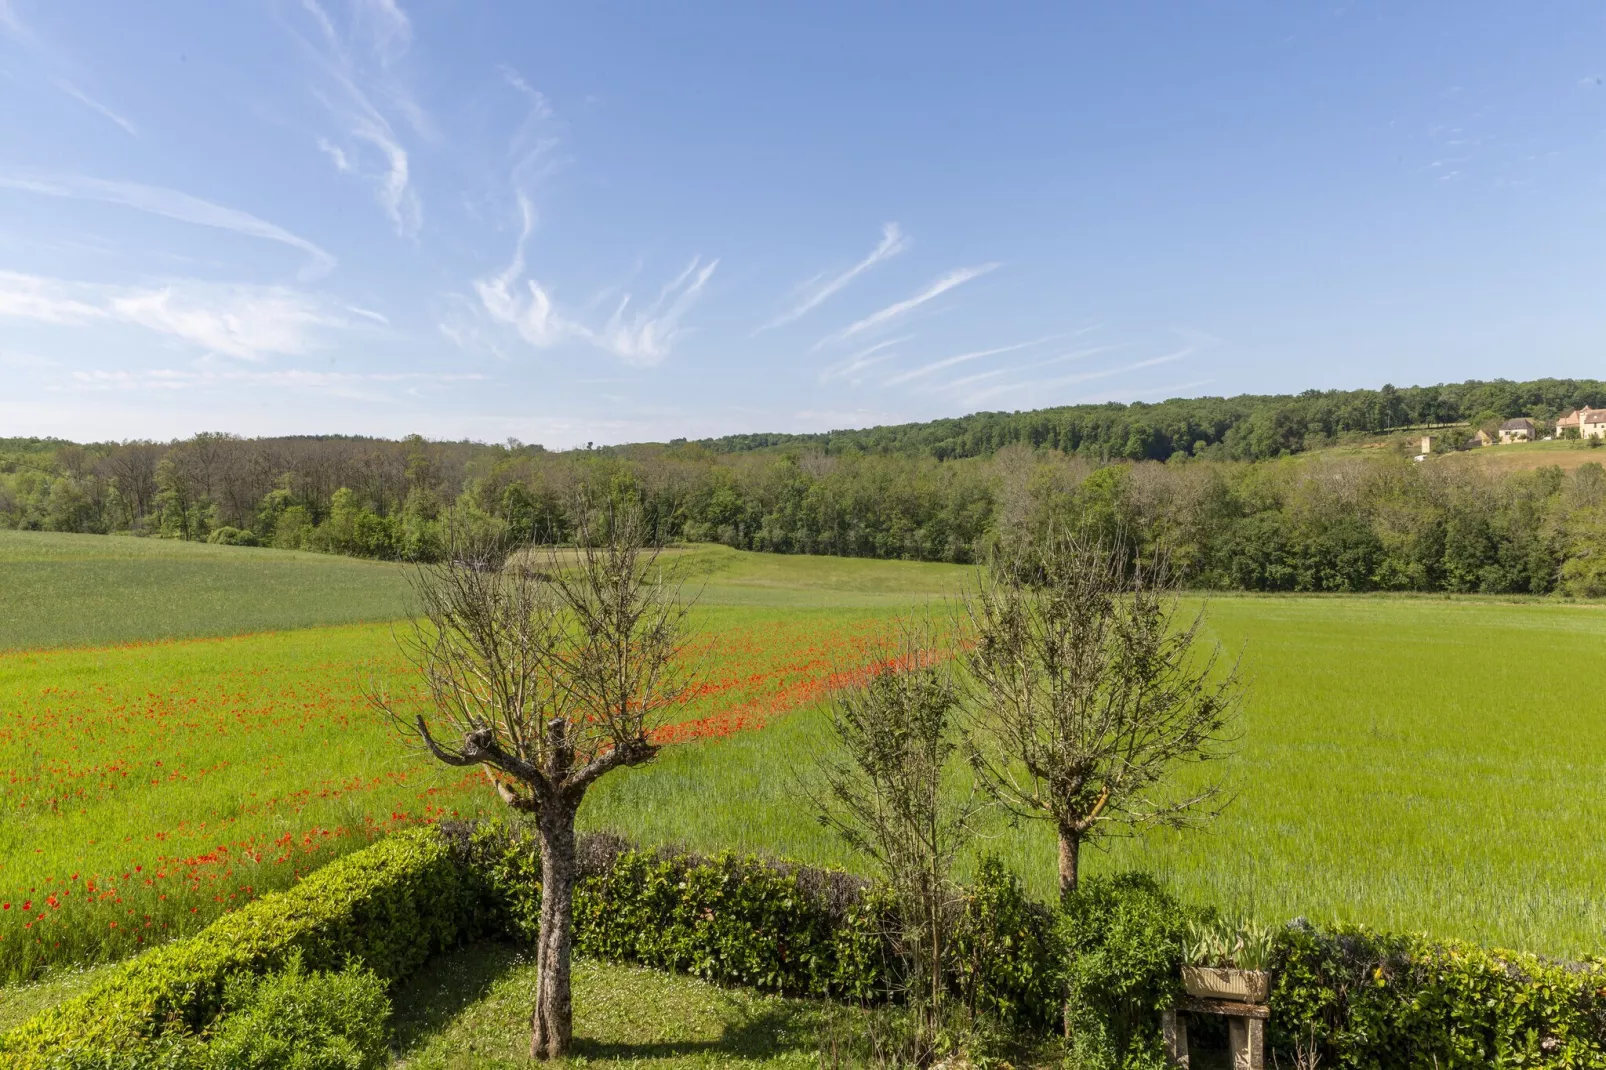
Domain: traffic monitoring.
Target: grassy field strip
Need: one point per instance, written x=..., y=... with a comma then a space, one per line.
x=94, y=590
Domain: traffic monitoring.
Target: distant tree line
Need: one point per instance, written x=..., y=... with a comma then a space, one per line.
x=1244, y=428
x=1346, y=520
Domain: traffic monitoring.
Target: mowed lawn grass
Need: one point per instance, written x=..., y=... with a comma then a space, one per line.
x=471, y=1008
x=78, y=590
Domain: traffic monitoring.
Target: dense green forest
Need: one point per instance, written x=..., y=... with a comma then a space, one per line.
x=1243, y=428
x=1241, y=506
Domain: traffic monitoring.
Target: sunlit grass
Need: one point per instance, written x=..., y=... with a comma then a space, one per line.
x=79, y=590
x=1411, y=764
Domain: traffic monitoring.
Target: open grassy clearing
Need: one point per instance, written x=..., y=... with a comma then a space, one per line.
x=79, y=590
x=18, y=1003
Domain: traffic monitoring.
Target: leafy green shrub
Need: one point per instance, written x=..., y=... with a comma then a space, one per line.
x=294, y=1019
x=227, y=536
x=1123, y=937
x=772, y=925
x=734, y=920
x=389, y=906
x=1008, y=952
x=1372, y=1001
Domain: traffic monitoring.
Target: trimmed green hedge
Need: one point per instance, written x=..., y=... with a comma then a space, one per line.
x=1368, y=1002
x=733, y=920
x=390, y=906
x=771, y=925
x=1365, y=1001
x=1376, y=1002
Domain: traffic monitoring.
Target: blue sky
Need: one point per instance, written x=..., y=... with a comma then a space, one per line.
x=611, y=222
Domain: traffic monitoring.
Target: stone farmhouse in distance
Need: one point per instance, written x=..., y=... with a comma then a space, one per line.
x=1519, y=430
x=1591, y=423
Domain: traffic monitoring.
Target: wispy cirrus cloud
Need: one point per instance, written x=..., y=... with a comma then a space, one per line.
x=1050, y=383
x=521, y=303
x=96, y=106
x=64, y=74
x=647, y=335
x=170, y=203
x=635, y=334
x=1015, y=369
x=956, y=277
x=240, y=321
x=349, y=91
x=820, y=288
x=854, y=365
x=961, y=358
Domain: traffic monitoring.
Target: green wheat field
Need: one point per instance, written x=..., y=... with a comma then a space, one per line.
x=184, y=727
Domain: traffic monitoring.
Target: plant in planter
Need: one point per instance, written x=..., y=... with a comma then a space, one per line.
x=1228, y=961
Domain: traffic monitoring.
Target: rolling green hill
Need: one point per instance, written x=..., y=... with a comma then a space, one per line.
x=78, y=590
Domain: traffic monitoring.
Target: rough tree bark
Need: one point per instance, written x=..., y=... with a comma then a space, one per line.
x=1070, y=859
x=552, y=1020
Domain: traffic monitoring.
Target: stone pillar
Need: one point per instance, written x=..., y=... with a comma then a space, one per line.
x=1246, y=1037
x=1174, y=1031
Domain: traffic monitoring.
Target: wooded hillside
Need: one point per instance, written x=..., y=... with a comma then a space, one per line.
x=1237, y=513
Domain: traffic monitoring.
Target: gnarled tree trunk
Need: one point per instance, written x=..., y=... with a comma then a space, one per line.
x=552, y=1022
x=1070, y=859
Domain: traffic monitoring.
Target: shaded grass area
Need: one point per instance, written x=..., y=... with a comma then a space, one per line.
x=78, y=590
x=471, y=1008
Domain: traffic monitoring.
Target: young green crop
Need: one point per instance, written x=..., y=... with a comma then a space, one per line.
x=1409, y=763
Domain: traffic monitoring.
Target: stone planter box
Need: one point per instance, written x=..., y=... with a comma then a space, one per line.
x=1238, y=986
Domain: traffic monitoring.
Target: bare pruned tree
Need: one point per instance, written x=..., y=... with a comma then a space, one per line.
x=890, y=793
x=1091, y=693
x=550, y=669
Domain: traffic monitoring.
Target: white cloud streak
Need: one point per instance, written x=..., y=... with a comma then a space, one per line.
x=957, y=277
x=1083, y=377
x=1062, y=358
x=962, y=358
x=850, y=367
x=389, y=34
x=96, y=106
x=244, y=322
x=59, y=63
x=646, y=337
x=642, y=337
x=169, y=203
x=816, y=292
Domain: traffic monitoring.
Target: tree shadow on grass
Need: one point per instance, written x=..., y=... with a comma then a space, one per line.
x=446, y=986
x=763, y=1034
